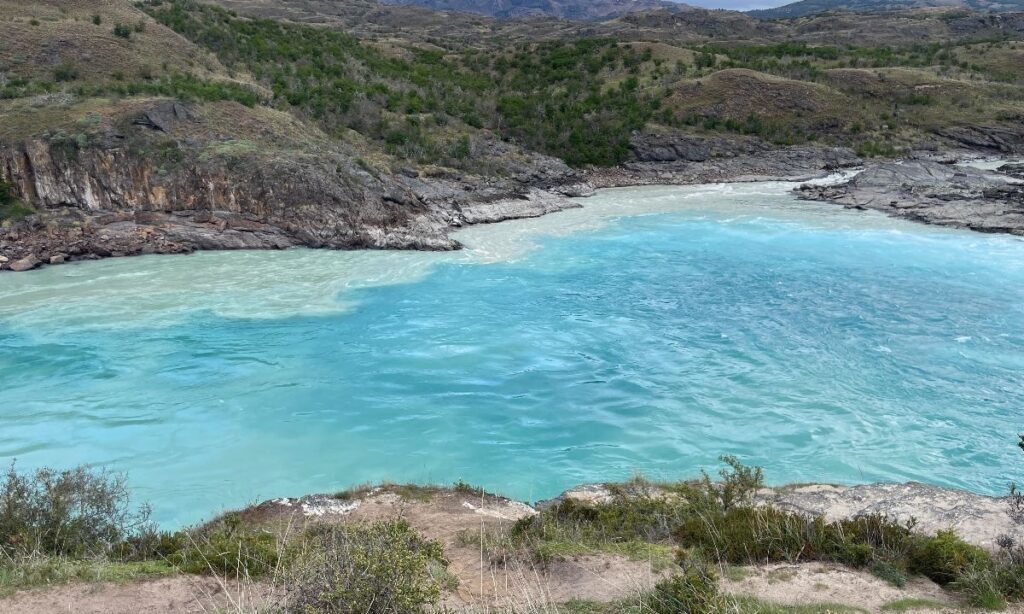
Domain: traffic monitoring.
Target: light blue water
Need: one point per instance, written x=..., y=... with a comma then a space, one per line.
x=820, y=343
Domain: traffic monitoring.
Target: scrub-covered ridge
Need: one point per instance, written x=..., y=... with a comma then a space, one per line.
x=702, y=546
x=171, y=126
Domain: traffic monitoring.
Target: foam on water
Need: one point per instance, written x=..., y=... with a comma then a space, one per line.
x=651, y=330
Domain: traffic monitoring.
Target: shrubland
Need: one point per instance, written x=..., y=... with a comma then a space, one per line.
x=79, y=525
x=581, y=97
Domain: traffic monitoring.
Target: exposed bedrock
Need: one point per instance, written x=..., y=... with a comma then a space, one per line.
x=117, y=196
x=933, y=193
x=675, y=158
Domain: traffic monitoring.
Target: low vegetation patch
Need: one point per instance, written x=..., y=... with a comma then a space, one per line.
x=365, y=569
x=10, y=207
x=79, y=525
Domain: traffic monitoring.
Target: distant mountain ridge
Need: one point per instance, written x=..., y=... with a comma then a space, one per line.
x=811, y=7
x=568, y=9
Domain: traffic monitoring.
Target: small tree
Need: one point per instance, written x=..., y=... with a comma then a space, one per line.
x=122, y=31
x=1015, y=502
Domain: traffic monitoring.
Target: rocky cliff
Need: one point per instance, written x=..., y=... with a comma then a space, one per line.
x=145, y=185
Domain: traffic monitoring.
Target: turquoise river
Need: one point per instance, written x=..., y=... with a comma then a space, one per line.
x=649, y=331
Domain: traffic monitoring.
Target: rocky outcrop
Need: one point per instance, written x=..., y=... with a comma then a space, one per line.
x=1015, y=170
x=976, y=518
x=116, y=196
x=676, y=158
x=996, y=139
x=933, y=193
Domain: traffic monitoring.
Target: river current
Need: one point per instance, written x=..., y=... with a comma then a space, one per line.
x=649, y=331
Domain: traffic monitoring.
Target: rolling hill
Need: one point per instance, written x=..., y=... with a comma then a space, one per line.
x=568, y=9
x=811, y=7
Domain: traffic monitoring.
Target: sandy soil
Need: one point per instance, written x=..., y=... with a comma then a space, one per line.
x=824, y=583
x=175, y=595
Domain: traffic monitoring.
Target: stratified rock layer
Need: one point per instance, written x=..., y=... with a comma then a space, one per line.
x=933, y=193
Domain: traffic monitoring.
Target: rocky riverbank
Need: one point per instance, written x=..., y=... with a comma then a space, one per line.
x=933, y=193
x=106, y=200
x=157, y=177
x=978, y=519
x=503, y=555
x=675, y=159
x=155, y=180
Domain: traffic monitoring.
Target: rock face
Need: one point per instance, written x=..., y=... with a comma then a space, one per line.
x=114, y=197
x=998, y=139
x=675, y=158
x=933, y=193
x=1014, y=170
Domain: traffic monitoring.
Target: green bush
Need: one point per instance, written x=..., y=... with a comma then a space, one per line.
x=737, y=484
x=760, y=534
x=889, y=572
x=945, y=556
x=65, y=72
x=122, y=31
x=97, y=20
x=385, y=567
x=980, y=586
x=226, y=546
x=625, y=519
x=695, y=590
x=78, y=512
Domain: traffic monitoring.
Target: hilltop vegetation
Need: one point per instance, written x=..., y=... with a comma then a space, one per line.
x=810, y=7
x=579, y=98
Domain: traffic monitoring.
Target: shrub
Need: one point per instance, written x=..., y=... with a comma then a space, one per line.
x=366, y=569
x=626, y=518
x=97, y=20
x=122, y=31
x=694, y=590
x=980, y=587
x=65, y=72
x=75, y=512
x=752, y=535
x=892, y=574
x=226, y=546
x=737, y=485
x=6, y=192
x=945, y=556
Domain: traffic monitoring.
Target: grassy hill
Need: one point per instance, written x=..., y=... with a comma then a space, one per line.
x=810, y=7
x=402, y=97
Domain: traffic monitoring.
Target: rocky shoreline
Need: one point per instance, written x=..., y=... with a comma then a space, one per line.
x=978, y=519
x=934, y=193
x=104, y=200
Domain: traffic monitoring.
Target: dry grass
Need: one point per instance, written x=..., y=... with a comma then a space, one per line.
x=739, y=93
x=38, y=37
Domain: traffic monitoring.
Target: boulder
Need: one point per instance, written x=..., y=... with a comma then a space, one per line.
x=27, y=263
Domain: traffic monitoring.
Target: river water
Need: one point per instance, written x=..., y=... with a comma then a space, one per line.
x=650, y=331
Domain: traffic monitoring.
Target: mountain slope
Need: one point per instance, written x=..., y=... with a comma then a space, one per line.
x=568, y=9
x=811, y=7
